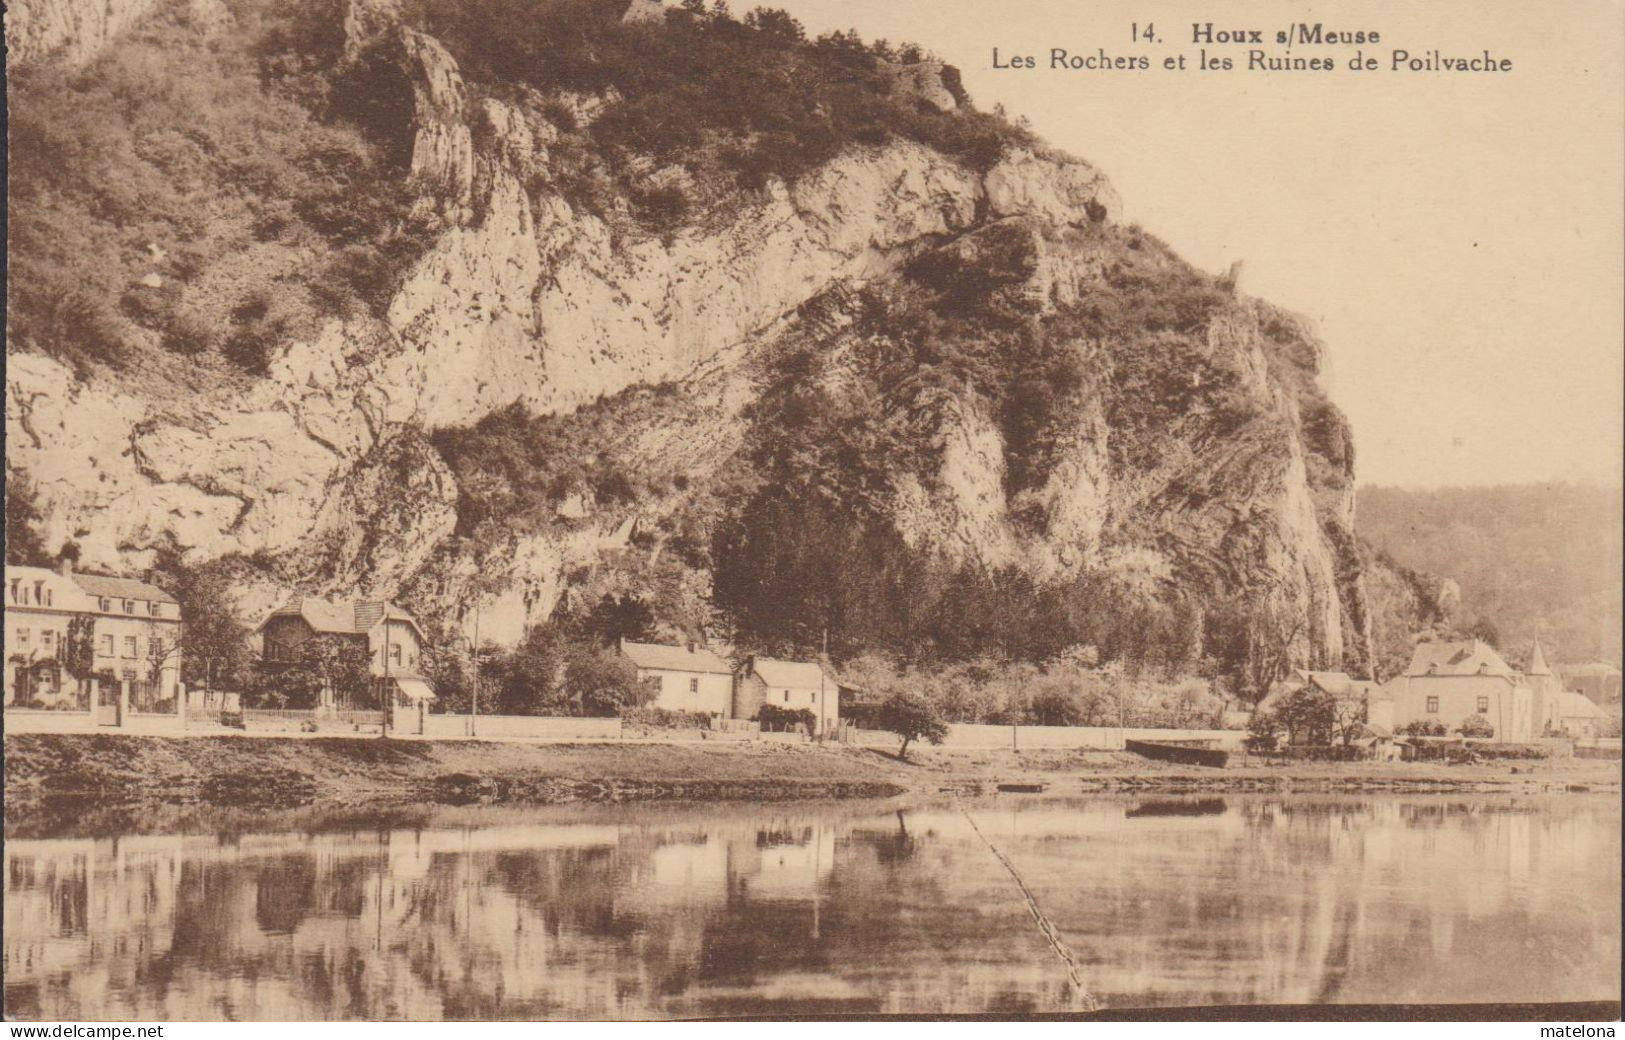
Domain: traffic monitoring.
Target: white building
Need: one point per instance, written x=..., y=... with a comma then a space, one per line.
x=134, y=630
x=791, y=685
x=685, y=678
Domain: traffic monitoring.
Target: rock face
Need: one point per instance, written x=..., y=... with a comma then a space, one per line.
x=74, y=31
x=325, y=466
x=928, y=81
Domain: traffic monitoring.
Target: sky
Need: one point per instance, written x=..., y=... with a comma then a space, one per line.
x=1457, y=237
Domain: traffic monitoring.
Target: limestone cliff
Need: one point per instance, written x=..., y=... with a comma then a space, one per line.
x=323, y=472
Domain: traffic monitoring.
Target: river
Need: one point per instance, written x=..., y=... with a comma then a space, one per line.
x=667, y=911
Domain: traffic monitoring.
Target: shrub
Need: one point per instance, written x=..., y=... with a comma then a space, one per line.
x=1476, y=726
x=1423, y=728
x=664, y=718
x=777, y=719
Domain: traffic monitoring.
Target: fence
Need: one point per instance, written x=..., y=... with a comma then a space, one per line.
x=543, y=727
x=1096, y=738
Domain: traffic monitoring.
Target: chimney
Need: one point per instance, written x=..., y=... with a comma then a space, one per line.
x=64, y=566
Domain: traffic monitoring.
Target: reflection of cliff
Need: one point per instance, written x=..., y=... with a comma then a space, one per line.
x=1295, y=901
x=684, y=914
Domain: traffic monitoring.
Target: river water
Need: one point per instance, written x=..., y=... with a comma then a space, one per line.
x=717, y=910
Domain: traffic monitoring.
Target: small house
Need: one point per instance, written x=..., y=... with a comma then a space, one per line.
x=388, y=635
x=791, y=685
x=688, y=678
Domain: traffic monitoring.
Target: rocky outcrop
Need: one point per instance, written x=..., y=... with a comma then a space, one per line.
x=928, y=82
x=75, y=31
x=324, y=466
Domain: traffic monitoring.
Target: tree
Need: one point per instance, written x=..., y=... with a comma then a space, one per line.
x=25, y=545
x=1308, y=713
x=612, y=619
x=528, y=680
x=1263, y=730
x=911, y=718
x=1055, y=705
x=1348, y=716
x=1476, y=726
x=213, y=643
x=602, y=683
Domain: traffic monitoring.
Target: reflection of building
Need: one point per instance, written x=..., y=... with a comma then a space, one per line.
x=134, y=632
x=684, y=678
x=791, y=685
x=1449, y=683
x=387, y=634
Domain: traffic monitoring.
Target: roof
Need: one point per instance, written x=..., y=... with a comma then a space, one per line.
x=1331, y=682
x=1469, y=657
x=794, y=674
x=414, y=688
x=1572, y=705
x=1537, y=661
x=120, y=588
x=675, y=658
x=1596, y=668
x=342, y=617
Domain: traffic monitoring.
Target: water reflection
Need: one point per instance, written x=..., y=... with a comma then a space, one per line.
x=657, y=913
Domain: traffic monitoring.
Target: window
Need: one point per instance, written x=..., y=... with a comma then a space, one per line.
x=129, y=606
x=395, y=654
x=47, y=639
x=105, y=647
x=39, y=592
x=16, y=589
x=129, y=646
x=22, y=637
x=152, y=608
x=128, y=675
x=1433, y=705
x=1483, y=705
x=155, y=647
x=693, y=686
x=107, y=605
x=787, y=696
x=47, y=597
x=812, y=697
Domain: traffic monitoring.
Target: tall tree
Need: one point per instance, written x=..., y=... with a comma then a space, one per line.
x=25, y=544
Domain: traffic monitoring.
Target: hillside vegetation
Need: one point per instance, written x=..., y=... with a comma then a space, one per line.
x=1534, y=561
x=494, y=272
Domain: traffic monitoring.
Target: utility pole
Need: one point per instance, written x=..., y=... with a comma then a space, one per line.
x=388, y=698
x=474, y=698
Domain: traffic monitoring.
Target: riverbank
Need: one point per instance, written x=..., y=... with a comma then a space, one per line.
x=49, y=774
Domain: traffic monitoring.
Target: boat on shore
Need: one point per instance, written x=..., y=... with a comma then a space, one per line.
x=1184, y=754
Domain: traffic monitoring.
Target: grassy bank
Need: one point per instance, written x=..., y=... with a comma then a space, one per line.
x=47, y=775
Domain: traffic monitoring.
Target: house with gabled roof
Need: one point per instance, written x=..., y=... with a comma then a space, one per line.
x=1357, y=700
x=1450, y=681
x=690, y=677
x=389, y=635
x=133, y=627
x=791, y=685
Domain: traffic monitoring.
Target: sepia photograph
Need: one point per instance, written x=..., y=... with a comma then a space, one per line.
x=643, y=511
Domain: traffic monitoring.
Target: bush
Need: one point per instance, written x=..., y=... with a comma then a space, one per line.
x=664, y=718
x=782, y=720
x=1423, y=728
x=1476, y=726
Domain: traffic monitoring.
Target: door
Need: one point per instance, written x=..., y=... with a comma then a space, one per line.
x=107, y=703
